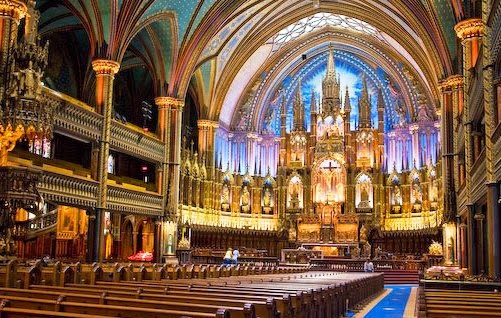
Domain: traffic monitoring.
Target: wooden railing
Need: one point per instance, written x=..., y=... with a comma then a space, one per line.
x=357, y=265
x=78, y=191
x=85, y=123
x=42, y=223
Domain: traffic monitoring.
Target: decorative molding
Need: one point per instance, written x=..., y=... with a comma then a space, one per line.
x=471, y=28
x=13, y=8
x=105, y=67
x=168, y=101
x=452, y=82
x=205, y=123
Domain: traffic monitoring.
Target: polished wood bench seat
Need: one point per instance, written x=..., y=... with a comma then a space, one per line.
x=438, y=303
x=12, y=312
x=236, y=308
x=62, y=305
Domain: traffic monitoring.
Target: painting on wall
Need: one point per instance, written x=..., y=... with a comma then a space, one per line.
x=67, y=222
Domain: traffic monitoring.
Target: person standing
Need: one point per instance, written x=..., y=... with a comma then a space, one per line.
x=235, y=256
x=368, y=266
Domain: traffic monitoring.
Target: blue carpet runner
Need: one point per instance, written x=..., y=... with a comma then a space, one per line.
x=393, y=305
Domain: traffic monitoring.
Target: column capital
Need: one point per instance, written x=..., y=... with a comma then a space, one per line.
x=105, y=67
x=452, y=82
x=470, y=28
x=206, y=123
x=168, y=101
x=13, y=8
x=479, y=217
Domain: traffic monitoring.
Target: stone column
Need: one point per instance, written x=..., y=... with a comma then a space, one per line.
x=174, y=143
x=452, y=91
x=163, y=131
x=416, y=153
x=470, y=33
x=206, y=145
x=471, y=238
x=493, y=230
x=491, y=112
x=462, y=246
x=105, y=74
x=479, y=218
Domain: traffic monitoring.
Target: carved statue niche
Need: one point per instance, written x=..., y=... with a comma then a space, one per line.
x=364, y=191
x=416, y=192
x=395, y=193
x=226, y=193
x=295, y=193
x=245, y=197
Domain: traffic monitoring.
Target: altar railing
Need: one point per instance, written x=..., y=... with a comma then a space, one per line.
x=357, y=265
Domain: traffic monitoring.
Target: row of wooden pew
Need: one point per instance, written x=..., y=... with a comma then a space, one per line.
x=441, y=303
x=268, y=295
x=17, y=275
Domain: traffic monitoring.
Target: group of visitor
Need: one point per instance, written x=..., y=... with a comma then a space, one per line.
x=231, y=258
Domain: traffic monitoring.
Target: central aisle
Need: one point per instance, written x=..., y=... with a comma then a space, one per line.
x=398, y=301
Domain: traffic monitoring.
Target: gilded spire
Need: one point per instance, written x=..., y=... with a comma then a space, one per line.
x=347, y=104
x=298, y=109
x=364, y=107
x=313, y=103
x=331, y=66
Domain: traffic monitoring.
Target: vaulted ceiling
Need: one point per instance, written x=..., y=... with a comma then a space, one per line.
x=237, y=57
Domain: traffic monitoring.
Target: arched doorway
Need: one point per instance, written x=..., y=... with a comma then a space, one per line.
x=139, y=245
x=127, y=239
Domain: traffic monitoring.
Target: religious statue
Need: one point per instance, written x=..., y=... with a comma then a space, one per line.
x=225, y=197
x=397, y=196
x=294, y=194
x=423, y=113
x=267, y=197
x=416, y=192
x=31, y=26
x=268, y=121
x=400, y=112
x=363, y=234
x=245, y=198
x=364, y=192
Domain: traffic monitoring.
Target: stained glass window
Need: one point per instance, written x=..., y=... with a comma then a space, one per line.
x=40, y=147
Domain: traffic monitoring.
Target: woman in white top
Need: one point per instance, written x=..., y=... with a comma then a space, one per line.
x=234, y=258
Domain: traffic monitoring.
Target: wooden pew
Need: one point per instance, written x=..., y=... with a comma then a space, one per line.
x=455, y=303
x=320, y=300
x=294, y=295
x=290, y=303
x=138, y=299
x=62, y=305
